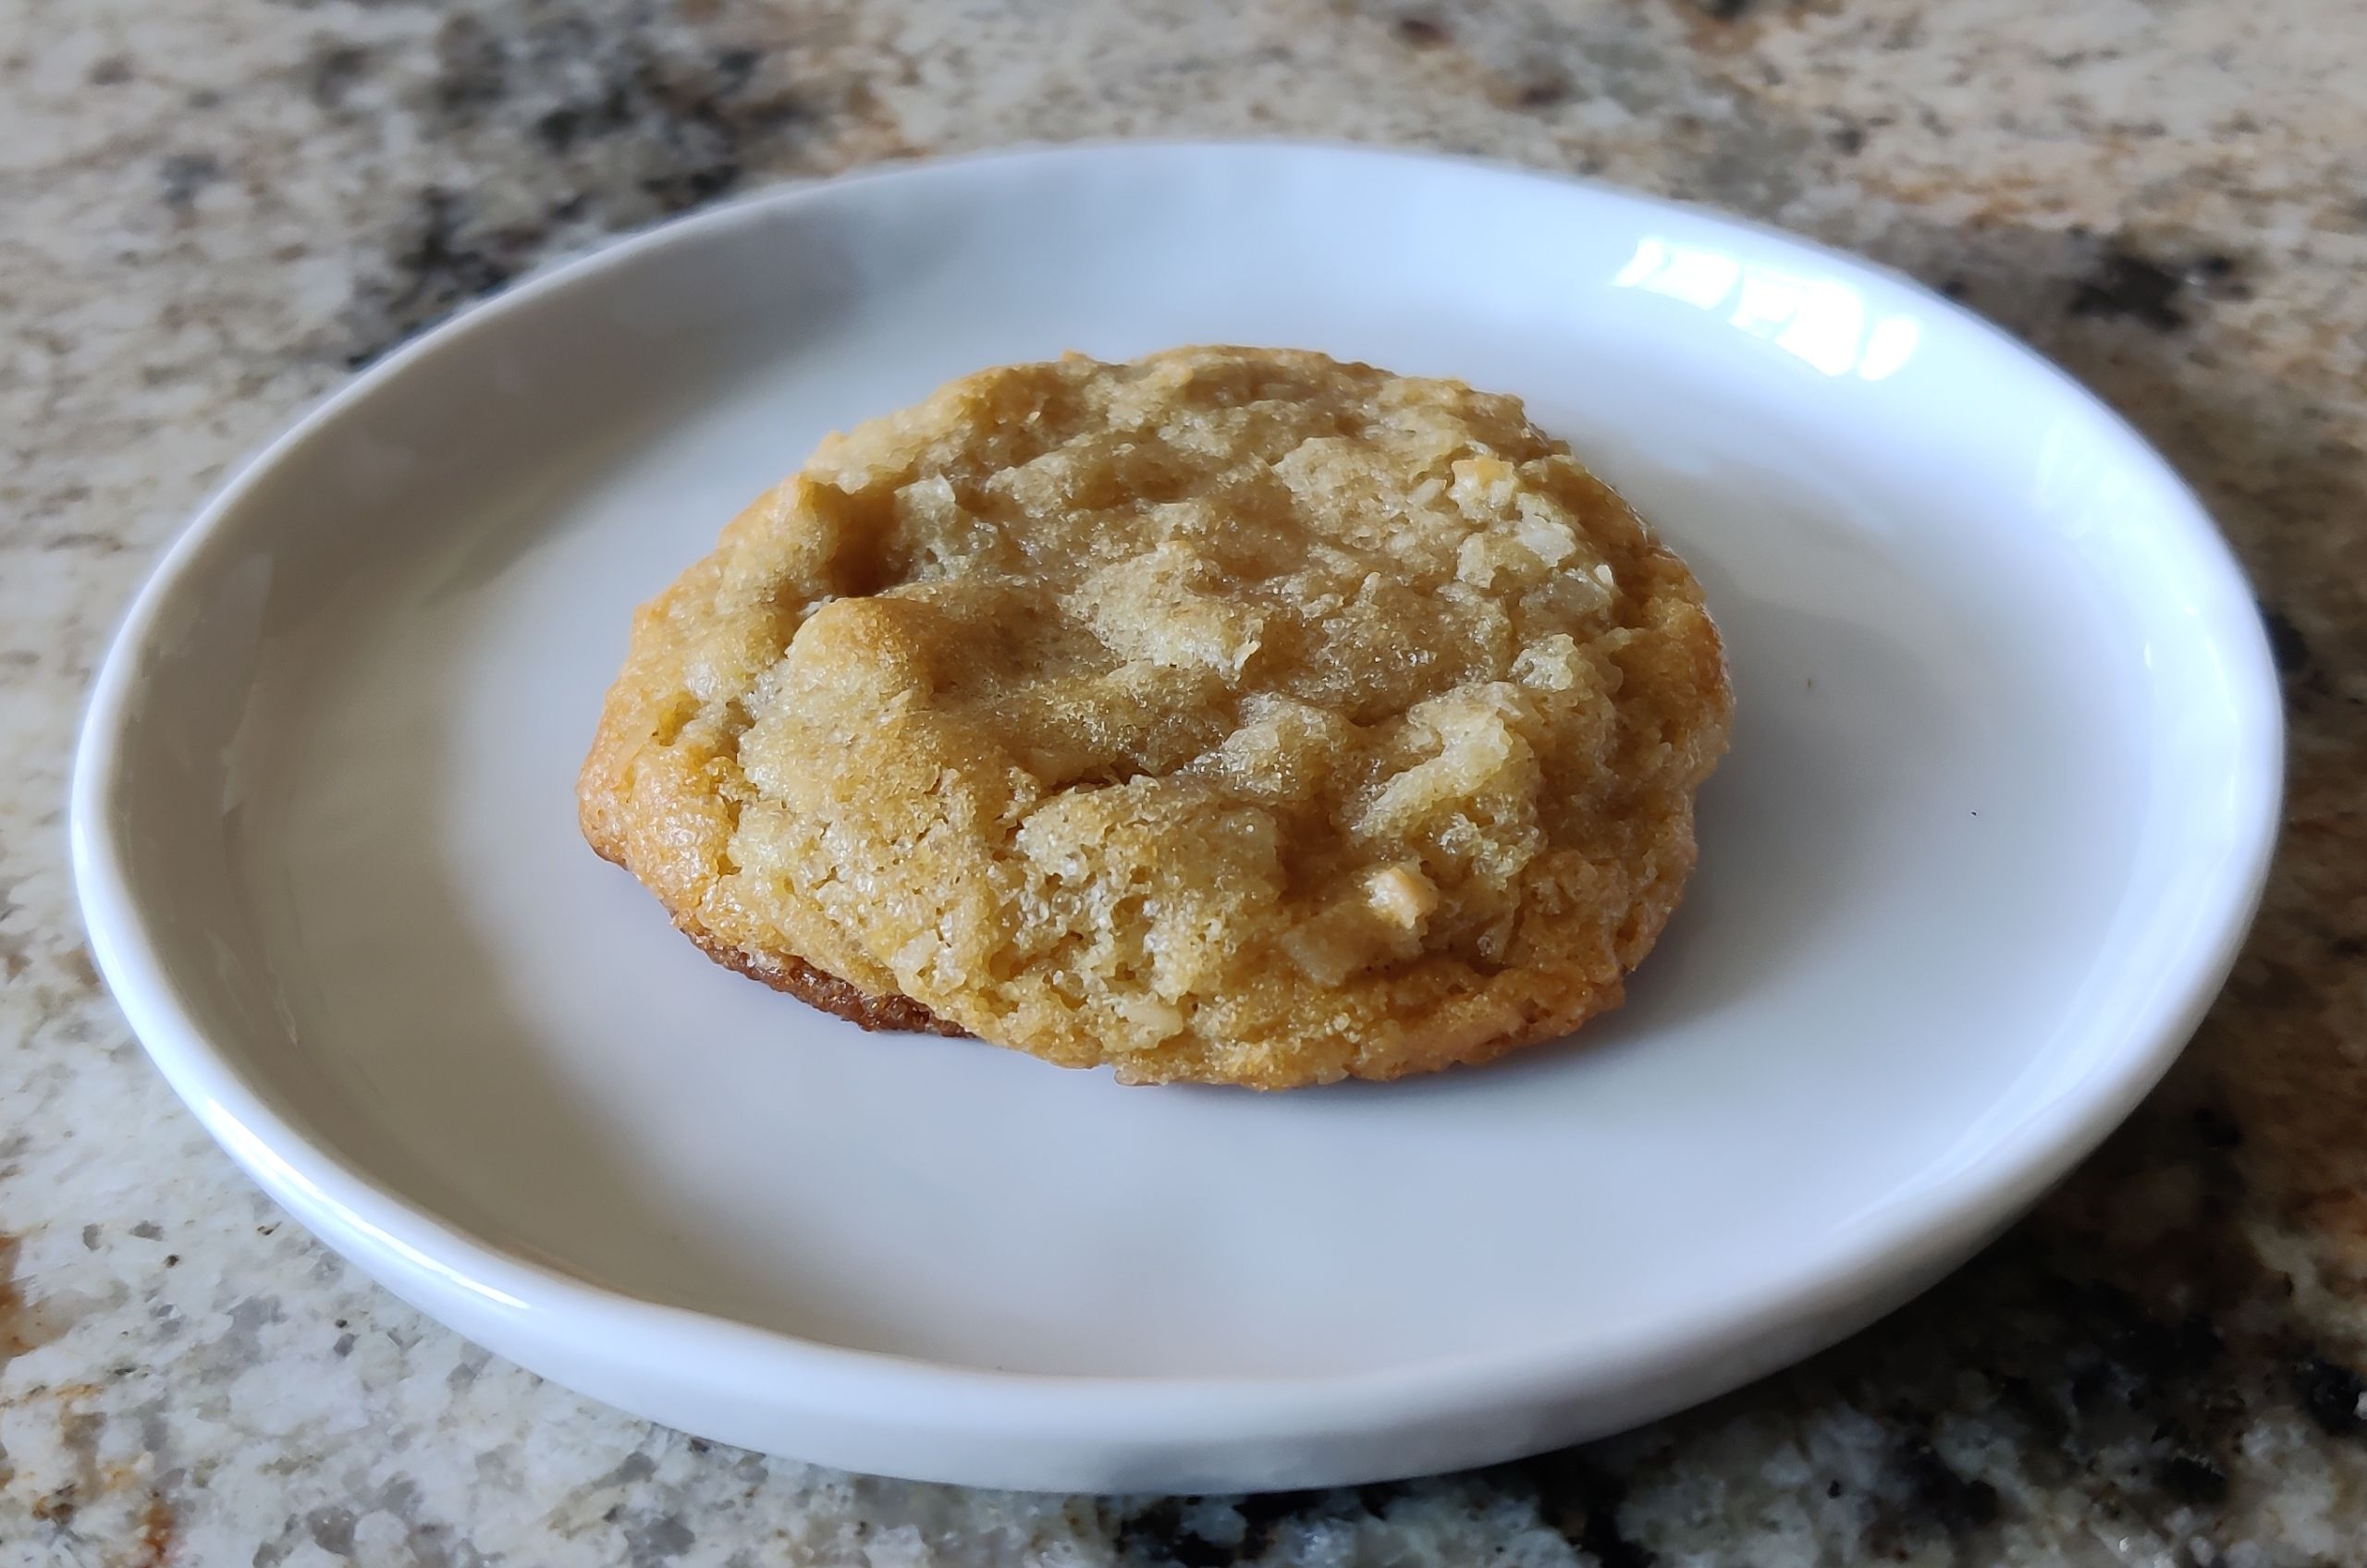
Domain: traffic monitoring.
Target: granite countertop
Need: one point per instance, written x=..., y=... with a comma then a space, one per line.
x=214, y=211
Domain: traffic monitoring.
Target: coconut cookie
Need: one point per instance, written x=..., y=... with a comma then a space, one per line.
x=1230, y=716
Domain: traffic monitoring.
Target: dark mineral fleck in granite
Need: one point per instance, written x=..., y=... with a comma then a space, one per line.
x=2125, y=284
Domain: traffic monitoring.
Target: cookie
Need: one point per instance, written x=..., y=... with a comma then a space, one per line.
x=1229, y=716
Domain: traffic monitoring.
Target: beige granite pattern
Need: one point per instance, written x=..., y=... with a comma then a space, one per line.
x=209, y=209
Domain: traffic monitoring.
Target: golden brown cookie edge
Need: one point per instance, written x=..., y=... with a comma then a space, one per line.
x=890, y=1014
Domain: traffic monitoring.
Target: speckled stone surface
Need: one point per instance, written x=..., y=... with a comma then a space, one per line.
x=211, y=211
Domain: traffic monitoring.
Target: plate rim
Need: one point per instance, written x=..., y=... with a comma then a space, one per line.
x=429, y=1253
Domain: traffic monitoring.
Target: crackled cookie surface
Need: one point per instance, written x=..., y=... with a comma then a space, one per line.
x=1229, y=716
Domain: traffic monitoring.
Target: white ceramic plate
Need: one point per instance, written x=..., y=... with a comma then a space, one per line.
x=1998, y=807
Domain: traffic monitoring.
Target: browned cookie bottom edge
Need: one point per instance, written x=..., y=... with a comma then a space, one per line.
x=891, y=1015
